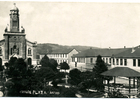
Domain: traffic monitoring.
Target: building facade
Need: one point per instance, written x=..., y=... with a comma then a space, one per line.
x=62, y=55
x=15, y=43
x=129, y=58
x=86, y=60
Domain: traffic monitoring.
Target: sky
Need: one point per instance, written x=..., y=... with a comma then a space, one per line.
x=96, y=24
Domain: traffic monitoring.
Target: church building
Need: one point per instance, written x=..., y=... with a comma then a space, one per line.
x=15, y=43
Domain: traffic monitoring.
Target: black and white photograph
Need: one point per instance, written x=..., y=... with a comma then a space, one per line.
x=69, y=49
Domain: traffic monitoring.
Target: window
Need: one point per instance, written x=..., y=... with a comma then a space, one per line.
x=29, y=61
x=117, y=61
x=73, y=59
x=91, y=60
x=134, y=62
x=139, y=62
x=78, y=59
x=121, y=61
x=106, y=60
x=29, y=51
x=18, y=51
x=125, y=62
x=14, y=23
x=113, y=61
x=110, y=60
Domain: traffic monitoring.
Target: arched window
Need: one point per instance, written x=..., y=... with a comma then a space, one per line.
x=0, y=51
x=29, y=61
x=29, y=51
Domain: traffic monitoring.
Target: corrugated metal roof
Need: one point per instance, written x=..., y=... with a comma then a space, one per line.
x=102, y=52
x=61, y=51
x=130, y=53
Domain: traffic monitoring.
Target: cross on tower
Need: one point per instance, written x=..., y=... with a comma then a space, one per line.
x=14, y=4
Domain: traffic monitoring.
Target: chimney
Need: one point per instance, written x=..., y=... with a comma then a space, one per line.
x=109, y=48
x=124, y=47
x=133, y=50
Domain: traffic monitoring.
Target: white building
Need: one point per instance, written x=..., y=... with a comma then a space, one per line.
x=128, y=58
x=61, y=55
x=86, y=60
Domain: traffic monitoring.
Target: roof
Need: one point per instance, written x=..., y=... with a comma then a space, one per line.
x=61, y=51
x=130, y=53
x=30, y=42
x=121, y=71
x=2, y=40
x=102, y=52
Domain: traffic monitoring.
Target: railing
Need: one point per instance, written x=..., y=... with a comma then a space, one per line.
x=124, y=90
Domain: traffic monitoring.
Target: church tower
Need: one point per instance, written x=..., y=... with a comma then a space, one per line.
x=14, y=19
x=15, y=42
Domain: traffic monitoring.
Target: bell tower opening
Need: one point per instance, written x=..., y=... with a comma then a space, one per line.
x=14, y=19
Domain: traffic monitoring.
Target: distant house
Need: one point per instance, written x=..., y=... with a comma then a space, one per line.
x=87, y=58
x=128, y=58
x=61, y=55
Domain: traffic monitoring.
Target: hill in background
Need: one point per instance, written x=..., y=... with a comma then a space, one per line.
x=44, y=48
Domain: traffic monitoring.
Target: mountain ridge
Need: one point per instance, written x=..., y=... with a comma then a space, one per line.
x=44, y=48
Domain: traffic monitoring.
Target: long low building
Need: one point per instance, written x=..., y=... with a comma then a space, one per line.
x=61, y=55
x=128, y=58
x=87, y=59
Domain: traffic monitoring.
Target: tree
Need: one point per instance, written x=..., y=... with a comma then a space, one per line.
x=53, y=65
x=64, y=66
x=12, y=61
x=20, y=76
x=87, y=79
x=74, y=74
x=44, y=76
x=99, y=68
x=45, y=61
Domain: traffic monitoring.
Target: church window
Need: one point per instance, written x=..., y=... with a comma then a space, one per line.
x=29, y=51
x=18, y=51
x=14, y=24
